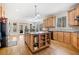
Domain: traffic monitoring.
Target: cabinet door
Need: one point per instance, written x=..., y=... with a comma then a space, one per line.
x=51, y=21
x=71, y=17
x=75, y=21
x=74, y=39
x=76, y=14
x=3, y=10
x=31, y=42
x=78, y=40
x=55, y=35
x=78, y=43
x=77, y=11
x=60, y=36
x=67, y=37
x=54, y=20
x=48, y=22
x=44, y=23
x=0, y=11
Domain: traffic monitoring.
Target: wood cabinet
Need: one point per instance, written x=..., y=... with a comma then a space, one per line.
x=60, y=36
x=55, y=35
x=54, y=21
x=37, y=41
x=78, y=40
x=49, y=22
x=2, y=10
x=71, y=38
x=72, y=16
x=29, y=41
x=78, y=43
x=77, y=10
x=45, y=23
x=75, y=14
x=74, y=39
x=67, y=38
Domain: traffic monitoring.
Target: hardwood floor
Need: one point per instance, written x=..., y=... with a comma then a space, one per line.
x=56, y=48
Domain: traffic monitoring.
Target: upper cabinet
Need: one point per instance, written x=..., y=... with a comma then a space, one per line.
x=2, y=10
x=72, y=16
x=49, y=22
x=44, y=23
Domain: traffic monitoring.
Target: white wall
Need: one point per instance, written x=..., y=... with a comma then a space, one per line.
x=10, y=26
x=19, y=22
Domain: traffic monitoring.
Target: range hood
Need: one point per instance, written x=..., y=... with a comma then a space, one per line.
x=77, y=18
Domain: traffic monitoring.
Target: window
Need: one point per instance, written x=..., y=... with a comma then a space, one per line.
x=61, y=22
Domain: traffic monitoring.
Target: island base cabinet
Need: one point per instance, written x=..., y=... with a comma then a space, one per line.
x=37, y=41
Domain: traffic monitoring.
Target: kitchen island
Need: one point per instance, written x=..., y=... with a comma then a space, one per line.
x=37, y=41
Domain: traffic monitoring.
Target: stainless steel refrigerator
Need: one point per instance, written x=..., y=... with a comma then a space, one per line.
x=3, y=41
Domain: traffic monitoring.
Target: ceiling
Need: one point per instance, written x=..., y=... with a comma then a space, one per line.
x=27, y=10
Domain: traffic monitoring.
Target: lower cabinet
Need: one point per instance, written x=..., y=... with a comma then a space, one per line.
x=55, y=35
x=67, y=37
x=78, y=40
x=71, y=38
x=60, y=36
x=78, y=43
x=74, y=41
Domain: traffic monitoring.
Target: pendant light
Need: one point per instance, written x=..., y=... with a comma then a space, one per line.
x=37, y=16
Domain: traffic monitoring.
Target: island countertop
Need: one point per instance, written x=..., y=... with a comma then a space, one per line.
x=40, y=32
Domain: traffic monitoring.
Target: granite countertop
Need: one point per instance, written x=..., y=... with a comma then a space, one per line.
x=38, y=32
x=65, y=30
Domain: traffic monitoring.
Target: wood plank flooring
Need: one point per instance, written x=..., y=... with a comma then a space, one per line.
x=56, y=48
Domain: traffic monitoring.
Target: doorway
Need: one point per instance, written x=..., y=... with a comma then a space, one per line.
x=22, y=30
